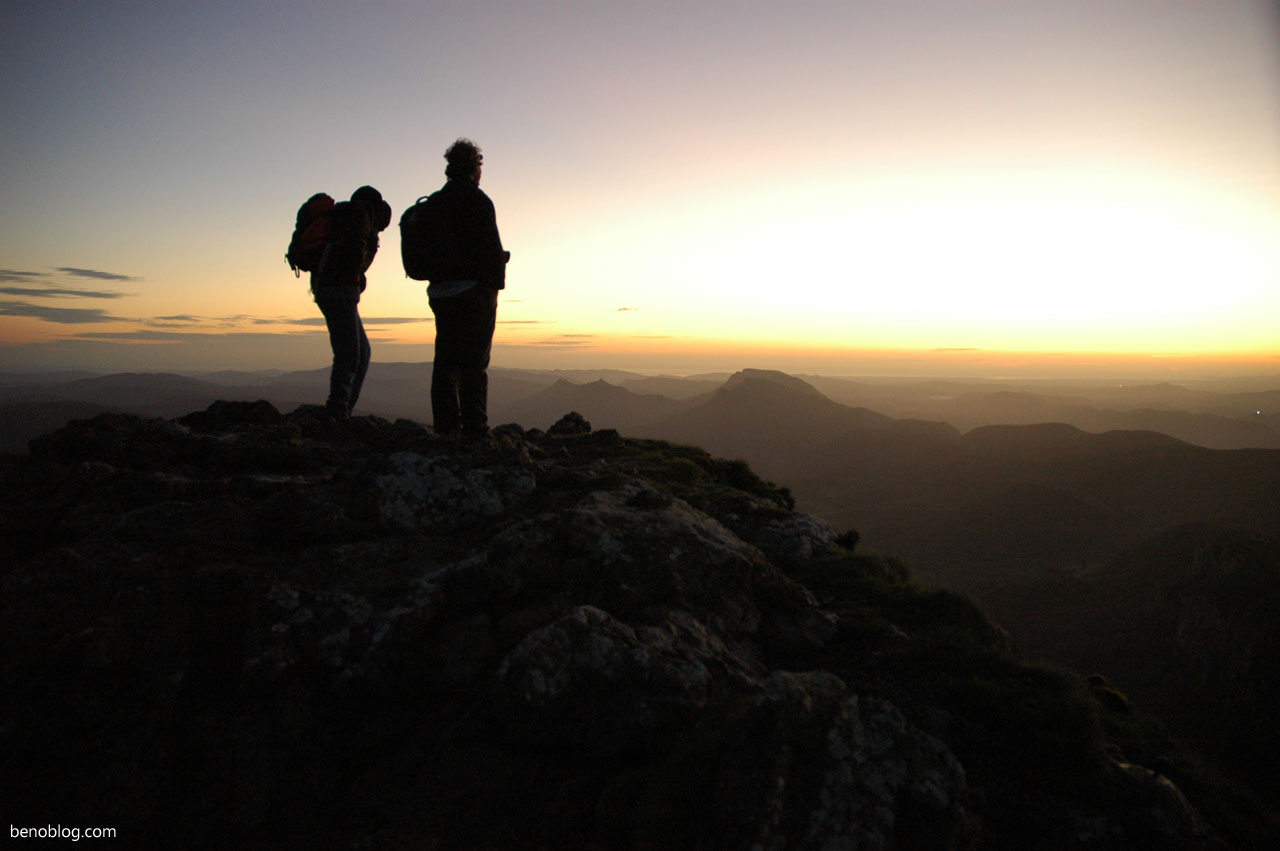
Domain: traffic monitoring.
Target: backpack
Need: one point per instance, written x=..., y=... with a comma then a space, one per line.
x=424, y=238
x=307, y=250
x=352, y=241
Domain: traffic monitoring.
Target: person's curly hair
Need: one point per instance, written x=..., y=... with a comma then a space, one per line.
x=462, y=157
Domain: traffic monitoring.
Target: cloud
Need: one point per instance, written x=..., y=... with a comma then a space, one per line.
x=140, y=336
x=394, y=320
x=566, y=341
x=188, y=320
x=318, y=321
x=192, y=322
x=59, y=292
x=38, y=284
x=20, y=277
x=215, y=326
x=161, y=336
x=628, y=309
x=310, y=320
x=60, y=315
x=958, y=349
x=184, y=322
x=156, y=351
x=95, y=274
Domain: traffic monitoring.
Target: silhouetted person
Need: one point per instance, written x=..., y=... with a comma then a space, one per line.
x=463, y=295
x=337, y=285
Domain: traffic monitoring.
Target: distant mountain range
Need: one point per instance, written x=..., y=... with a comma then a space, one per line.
x=1004, y=500
x=966, y=507
x=1226, y=417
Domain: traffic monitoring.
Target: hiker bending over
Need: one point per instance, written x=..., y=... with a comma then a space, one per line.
x=337, y=282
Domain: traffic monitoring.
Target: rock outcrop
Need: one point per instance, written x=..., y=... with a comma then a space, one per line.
x=243, y=628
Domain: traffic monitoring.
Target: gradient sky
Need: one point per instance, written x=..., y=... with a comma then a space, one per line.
x=960, y=184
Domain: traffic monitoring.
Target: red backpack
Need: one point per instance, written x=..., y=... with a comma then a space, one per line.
x=309, y=244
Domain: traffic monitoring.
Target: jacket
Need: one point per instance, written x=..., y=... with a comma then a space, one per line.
x=473, y=250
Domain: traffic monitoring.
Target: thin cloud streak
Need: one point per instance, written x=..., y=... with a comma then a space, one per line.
x=566, y=341
x=318, y=321
x=15, y=276
x=95, y=274
x=59, y=292
x=59, y=315
x=159, y=336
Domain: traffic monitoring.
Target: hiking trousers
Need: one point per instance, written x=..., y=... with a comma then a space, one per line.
x=341, y=308
x=464, y=340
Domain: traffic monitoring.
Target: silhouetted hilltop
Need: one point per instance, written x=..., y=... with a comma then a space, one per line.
x=768, y=417
x=671, y=386
x=147, y=394
x=258, y=630
x=608, y=404
x=21, y=421
x=1223, y=419
x=1244, y=428
x=770, y=376
x=957, y=507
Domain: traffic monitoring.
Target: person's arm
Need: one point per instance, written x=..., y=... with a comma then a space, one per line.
x=493, y=257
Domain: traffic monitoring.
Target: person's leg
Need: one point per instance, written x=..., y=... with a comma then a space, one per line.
x=473, y=386
x=446, y=414
x=365, y=352
x=446, y=418
x=473, y=400
x=343, y=322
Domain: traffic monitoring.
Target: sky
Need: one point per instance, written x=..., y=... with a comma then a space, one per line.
x=856, y=187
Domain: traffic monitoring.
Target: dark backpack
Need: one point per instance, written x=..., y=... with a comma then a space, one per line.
x=307, y=246
x=424, y=238
x=353, y=241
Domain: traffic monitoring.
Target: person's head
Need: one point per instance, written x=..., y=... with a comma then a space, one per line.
x=464, y=161
x=379, y=210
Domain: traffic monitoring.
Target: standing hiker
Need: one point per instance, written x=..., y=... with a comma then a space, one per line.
x=453, y=233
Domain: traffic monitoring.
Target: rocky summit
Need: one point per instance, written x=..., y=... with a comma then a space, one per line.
x=248, y=629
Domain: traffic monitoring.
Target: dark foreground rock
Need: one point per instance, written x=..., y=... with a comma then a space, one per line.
x=254, y=630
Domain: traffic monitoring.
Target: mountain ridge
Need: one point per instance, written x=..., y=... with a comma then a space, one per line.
x=274, y=630
x=1227, y=419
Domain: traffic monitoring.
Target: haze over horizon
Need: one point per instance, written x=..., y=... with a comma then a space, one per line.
x=852, y=188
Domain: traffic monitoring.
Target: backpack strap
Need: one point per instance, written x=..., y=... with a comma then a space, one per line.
x=324, y=257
